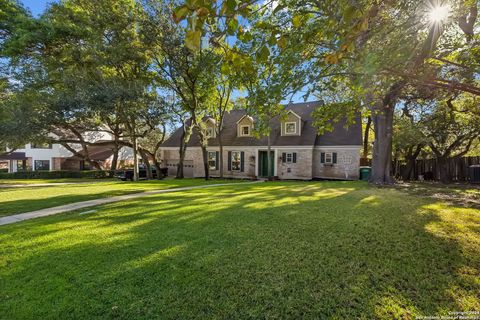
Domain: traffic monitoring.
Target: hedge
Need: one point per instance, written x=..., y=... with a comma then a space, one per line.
x=92, y=174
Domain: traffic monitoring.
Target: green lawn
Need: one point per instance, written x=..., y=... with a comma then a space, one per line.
x=42, y=181
x=323, y=250
x=25, y=199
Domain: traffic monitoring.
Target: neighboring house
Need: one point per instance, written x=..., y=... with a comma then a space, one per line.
x=296, y=149
x=36, y=157
x=49, y=157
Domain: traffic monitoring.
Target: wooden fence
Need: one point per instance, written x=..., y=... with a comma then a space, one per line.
x=458, y=168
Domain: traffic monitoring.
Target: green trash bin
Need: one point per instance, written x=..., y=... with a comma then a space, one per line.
x=365, y=173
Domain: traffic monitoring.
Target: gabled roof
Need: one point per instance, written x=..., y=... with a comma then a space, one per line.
x=308, y=137
x=245, y=116
x=293, y=112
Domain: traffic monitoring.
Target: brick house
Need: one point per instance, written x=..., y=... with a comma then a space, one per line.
x=297, y=151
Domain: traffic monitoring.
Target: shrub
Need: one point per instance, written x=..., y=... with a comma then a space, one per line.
x=61, y=174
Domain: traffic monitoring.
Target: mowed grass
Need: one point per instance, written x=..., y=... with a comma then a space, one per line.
x=43, y=181
x=285, y=250
x=26, y=199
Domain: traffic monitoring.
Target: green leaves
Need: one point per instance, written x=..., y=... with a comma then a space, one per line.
x=263, y=54
x=232, y=26
x=193, y=39
x=297, y=21
x=228, y=7
x=180, y=13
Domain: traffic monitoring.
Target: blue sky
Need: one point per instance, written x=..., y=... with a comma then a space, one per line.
x=36, y=6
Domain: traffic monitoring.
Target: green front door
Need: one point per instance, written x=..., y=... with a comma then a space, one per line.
x=263, y=163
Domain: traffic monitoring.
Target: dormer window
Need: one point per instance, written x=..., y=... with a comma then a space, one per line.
x=244, y=126
x=245, y=131
x=290, y=127
x=210, y=133
x=292, y=124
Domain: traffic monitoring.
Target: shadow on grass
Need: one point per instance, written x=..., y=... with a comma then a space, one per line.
x=279, y=250
x=56, y=196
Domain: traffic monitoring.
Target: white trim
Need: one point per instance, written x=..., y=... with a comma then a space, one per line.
x=338, y=147
x=231, y=162
x=208, y=160
x=256, y=162
x=242, y=147
x=250, y=118
x=294, y=113
x=291, y=157
x=249, y=130
x=331, y=158
x=213, y=121
x=213, y=132
x=308, y=147
x=275, y=162
x=295, y=133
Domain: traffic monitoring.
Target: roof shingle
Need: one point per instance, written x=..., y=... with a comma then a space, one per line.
x=339, y=136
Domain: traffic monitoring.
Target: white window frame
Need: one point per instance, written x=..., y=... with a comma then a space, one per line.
x=214, y=167
x=241, y=130
x=331, y=157
x=207, y=132
x=291, y=157
x=295, y=125
x=239, y=160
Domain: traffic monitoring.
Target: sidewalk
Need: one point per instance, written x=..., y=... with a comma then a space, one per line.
x=97, y=202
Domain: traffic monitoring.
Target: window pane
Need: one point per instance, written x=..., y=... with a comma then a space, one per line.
x=328, y=158
x=20, y=165
x=236, y=160
x=290, y=127
x=212, y=160
x=42, y=165
x=246, y=130
x=41, y=146
x=289, y=157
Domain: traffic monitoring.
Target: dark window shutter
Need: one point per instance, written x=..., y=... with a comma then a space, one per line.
x=284, y=157
x=242, y=161
x=229, y=160
x=294, y=157
x=217, y=160
x=334, y=156
x=322, y=157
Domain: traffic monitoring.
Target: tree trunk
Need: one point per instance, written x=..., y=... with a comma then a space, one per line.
x=156, y=163
x=411, y=160
x=114, y=164
x=407, y=172
x=382, y=118
x=205, y=162
x=382, y=147
x=220, y=154
x=366, y=136
x=135, y=158
x=181, y=156
x=146, y=161
x=186, y=134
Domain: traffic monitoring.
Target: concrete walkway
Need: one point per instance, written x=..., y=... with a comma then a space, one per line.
x=97, y=202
